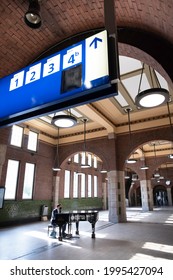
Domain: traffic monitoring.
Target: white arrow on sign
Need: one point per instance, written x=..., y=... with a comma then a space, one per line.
x=96, y=58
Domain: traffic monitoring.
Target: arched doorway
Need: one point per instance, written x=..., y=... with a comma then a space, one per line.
x=160, y=196
x=82, y=187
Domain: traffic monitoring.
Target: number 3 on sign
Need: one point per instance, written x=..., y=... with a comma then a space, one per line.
x=73, y=57
x=51, y=66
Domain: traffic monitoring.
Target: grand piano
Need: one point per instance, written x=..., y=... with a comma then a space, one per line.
x=76, y=217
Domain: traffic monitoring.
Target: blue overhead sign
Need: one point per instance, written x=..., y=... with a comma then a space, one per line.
x=75, y=75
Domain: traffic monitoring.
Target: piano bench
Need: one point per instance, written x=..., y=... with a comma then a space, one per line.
x=50, y=226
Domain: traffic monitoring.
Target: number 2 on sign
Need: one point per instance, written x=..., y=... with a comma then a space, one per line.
x=33, y=74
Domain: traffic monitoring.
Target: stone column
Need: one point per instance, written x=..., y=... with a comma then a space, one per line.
x=146, y=195
x=116, y=196
x=121, y=197
x=104, y=195
x=150, y=195
x=169, y=196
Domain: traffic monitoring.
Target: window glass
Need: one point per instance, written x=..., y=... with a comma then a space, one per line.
x=16, y=136
x=95, y=186
x=32, y=141
x=28, y=181
x=67, y=184
x=95, y=162
x=11, y=179
x=76, y=158
x=75, y=185
x=89, y=185
x=90, y=159
x=83, y=157
x=83, y=185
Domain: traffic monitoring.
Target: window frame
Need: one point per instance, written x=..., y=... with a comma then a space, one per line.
x=14, y=136
x=8, y=182
x=32, y=183
x=29, y=140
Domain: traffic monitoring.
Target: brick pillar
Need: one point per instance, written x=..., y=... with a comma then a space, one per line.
x=116, y=196
x=3, y=149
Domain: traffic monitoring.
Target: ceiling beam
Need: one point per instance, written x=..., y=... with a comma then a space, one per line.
x=92, y=113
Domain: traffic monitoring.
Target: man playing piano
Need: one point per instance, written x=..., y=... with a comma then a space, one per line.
x=55, y=212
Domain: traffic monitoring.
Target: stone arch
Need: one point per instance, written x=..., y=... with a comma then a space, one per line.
x=101, y=157
x=130, y=43
x=104, y=148
x=139, y=138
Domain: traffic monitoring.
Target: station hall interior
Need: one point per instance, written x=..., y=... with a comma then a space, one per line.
x=116, y=158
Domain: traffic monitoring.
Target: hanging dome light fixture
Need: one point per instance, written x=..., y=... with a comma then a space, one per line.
x=64, y=121
x=151, y=97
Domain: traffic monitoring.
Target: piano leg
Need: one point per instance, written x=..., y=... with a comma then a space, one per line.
x=77, y=228
x=69, y=229
x=60, y=233
x=93, y=230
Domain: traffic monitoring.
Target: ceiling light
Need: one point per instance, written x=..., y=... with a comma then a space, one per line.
x=144, y=167
x=168, y=182
x=103, y=171
x=56, y=168
x=157, y=175
x=131, y=160
x=32, y=17
x=152, y=97
x=64, y=121
x=170, y=156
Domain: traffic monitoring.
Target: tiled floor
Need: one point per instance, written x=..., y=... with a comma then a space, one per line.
x=146, y=235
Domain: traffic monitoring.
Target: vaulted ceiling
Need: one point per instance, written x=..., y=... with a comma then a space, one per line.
x=145, y=38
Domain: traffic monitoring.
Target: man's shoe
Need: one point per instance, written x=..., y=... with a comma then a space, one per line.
x=53, y=234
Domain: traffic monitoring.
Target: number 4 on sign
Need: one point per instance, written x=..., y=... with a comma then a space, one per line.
x=72, y=57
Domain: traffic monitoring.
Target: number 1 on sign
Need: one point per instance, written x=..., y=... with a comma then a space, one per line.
x=17, y=81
